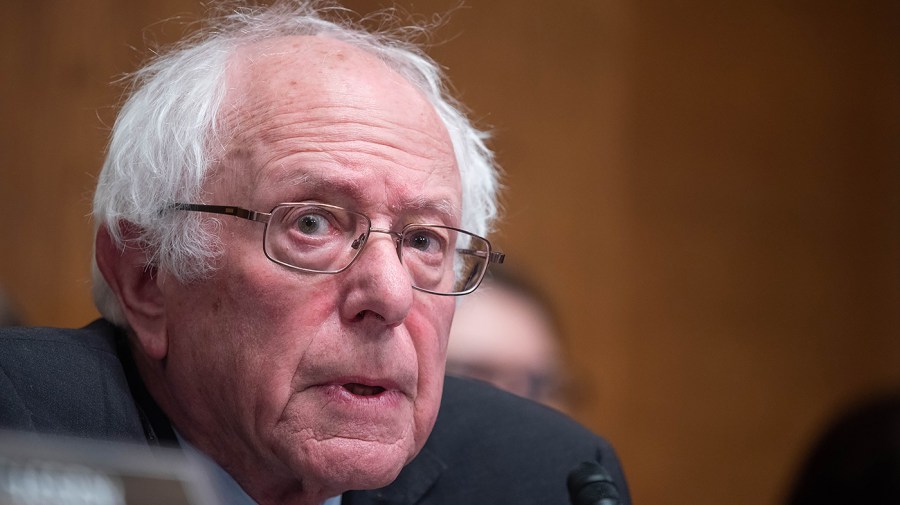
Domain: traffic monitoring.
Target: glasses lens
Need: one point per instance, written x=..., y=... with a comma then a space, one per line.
x=315, y=237
x=472, y=258
x=326, y=239
x=444, y=260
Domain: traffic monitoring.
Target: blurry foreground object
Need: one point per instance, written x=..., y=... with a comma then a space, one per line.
x=506, y=334
x=64, y=471
x=857, y=460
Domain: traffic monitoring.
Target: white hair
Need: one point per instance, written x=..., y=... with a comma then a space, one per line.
x=163, y=141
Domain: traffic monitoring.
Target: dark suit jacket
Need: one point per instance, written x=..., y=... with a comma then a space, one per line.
x=487, y=447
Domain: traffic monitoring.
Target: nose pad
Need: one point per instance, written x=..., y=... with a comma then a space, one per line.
x=395, y=236
x=359, y=242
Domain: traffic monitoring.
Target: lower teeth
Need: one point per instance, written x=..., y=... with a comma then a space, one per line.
x=361, y=390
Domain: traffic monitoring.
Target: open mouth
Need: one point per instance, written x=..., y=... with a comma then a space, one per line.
x=362, y=389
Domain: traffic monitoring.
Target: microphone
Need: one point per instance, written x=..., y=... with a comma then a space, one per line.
x=590, y=484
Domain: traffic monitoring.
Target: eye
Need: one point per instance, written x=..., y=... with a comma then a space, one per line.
x=425, y=240
x=313, y=224
x=420, y=242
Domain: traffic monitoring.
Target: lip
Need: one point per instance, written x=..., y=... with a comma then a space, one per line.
x=384, y=391
x=385, y=383
x=340, y=401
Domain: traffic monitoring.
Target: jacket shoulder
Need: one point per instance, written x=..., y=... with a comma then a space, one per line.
x=499, y=448
x=67, y=382
x=473, y=409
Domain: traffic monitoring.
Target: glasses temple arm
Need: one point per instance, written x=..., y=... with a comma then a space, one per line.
x=223, y=209
x=493, y=257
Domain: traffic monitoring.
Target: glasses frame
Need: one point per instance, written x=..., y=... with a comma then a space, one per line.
x=490, y=255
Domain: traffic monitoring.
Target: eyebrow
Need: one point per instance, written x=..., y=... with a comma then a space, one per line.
x=318, y=184
x=356, y=191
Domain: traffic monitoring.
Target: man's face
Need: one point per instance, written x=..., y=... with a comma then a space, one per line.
x=332, y=379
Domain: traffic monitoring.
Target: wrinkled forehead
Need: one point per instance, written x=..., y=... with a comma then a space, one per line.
x=300, y=86
x=311, y=72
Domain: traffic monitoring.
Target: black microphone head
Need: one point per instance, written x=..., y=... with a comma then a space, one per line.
x=590, y=484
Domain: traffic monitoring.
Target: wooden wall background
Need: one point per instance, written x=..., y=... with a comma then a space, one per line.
x=709, y=190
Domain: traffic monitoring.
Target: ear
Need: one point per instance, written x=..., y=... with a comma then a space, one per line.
x=136, y=285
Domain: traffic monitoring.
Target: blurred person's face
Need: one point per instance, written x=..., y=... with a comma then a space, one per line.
x=326, y=382
x=504, y=338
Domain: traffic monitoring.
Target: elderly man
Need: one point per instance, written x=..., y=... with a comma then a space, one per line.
x=287, y=208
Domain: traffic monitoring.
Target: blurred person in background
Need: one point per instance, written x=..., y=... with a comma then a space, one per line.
x=507, y=334
x=856, y=459
x=9, y=313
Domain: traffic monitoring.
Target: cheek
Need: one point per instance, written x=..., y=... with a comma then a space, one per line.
x=280, y=318
x=259, y=323
x=430, y=328
x=274, y=302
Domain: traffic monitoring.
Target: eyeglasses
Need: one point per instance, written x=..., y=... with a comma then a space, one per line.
x=322, y=238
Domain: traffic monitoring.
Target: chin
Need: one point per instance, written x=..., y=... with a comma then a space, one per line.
x=367, y=479
x=343, y=465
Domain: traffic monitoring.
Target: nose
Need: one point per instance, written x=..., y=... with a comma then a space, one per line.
x=393, y=234
x=377, y=285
